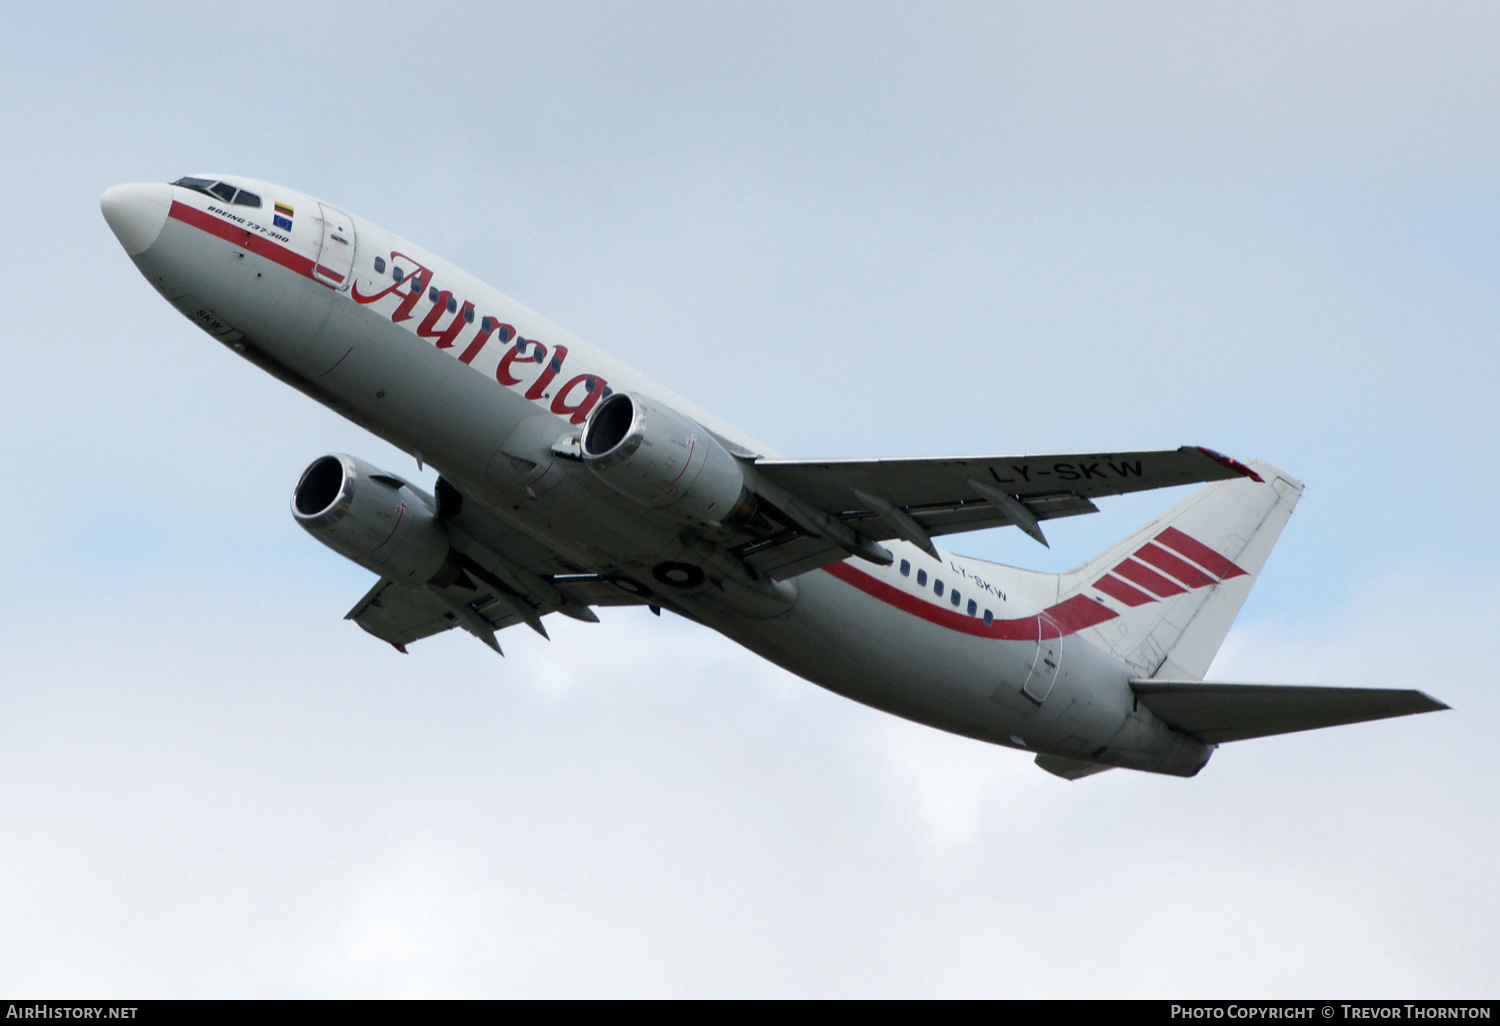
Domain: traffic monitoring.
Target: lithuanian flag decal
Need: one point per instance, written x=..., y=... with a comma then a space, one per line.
x=283, y=217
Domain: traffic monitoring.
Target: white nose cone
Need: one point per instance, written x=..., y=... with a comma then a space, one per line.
x=136, y=213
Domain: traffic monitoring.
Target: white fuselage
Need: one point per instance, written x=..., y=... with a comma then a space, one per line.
x=468, y=380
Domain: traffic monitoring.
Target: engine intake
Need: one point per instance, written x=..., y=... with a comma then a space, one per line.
x=376, y=519
x=662, y=460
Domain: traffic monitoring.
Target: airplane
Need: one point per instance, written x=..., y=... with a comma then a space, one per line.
x=569, y=481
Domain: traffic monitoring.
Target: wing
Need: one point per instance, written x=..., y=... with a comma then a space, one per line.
x=401, y=615
x=916, y=499
x=495, y=578
x=1215, y=713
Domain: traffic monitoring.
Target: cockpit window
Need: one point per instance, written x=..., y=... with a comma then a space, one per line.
x=220, y=190
x=197, y=184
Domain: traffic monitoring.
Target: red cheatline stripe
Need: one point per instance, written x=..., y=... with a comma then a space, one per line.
x=1140, y=573
x=241, y=237
x=1069, y=617
x=1116, y=588
x=329, y=272
x=1199, y=553
x=1181, y=569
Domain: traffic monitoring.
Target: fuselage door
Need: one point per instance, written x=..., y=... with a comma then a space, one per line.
x=335, y=263
x=1048, y=662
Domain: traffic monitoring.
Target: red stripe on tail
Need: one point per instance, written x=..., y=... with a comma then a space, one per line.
x=1118, y=589
x=1140, y=573
x=1199, y=553
x=1078, y=613
x=1181, y=569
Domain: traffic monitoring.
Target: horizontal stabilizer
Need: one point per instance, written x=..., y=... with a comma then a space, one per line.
x=1216, y=713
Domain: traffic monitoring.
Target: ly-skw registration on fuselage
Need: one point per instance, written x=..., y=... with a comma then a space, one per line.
x=569, y=481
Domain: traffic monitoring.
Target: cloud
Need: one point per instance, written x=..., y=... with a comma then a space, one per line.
x=218, y=795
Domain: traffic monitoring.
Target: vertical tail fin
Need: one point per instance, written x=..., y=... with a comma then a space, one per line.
x=1178, y=583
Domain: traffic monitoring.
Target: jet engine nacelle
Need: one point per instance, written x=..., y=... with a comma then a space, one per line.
x=372, y=517
x=663, y=460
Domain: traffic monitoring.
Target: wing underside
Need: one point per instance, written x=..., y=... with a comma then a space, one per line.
x=495, y=578
x=813, y=502
x=809, y=514
x=402, y=615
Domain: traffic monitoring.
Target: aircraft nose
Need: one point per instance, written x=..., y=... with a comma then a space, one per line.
x=136, y=213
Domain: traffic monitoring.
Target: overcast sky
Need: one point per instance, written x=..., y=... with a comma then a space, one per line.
x=852, y=230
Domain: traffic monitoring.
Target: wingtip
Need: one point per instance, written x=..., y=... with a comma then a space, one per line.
x=1230, y=462
x=1036, y=532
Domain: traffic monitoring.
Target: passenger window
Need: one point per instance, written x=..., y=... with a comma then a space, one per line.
x=246, y=199
x=922, y=578
x=956, y=598
x=973, y=607
x=989, y=617
x=222, y=190
x=469, y=314
x=486, y=325
x=937, y=586
x=398, y=274
x=906, y=568
x=590, y=385
x=555, y=366
x=380, y=265
x=452, y=304
x=432, y=294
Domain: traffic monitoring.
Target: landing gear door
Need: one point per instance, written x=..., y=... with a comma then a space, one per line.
x=335, y=263
x=1048, y=662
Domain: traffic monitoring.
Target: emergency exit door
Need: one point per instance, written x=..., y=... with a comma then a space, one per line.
x=1047, y=663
